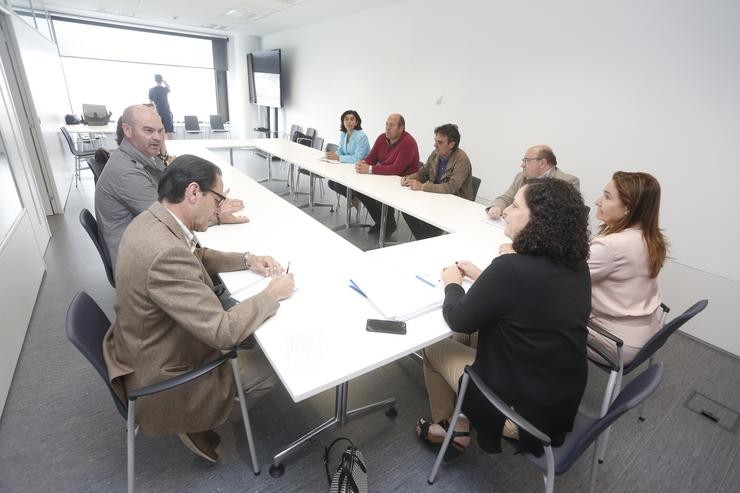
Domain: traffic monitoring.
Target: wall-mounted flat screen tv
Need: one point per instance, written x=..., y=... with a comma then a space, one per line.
x=264, y=78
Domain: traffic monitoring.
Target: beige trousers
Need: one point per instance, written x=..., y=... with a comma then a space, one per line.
x=444, y=364
x=256, y=374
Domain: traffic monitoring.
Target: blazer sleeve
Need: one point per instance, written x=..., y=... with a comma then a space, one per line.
x=423, y=174
x=215, y=261
x=483, y=304
x=601, y=259
x=461, y=170
x=175, y=283
x=507, y=197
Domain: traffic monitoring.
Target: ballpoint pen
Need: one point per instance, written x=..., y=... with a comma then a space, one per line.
x=287, y=271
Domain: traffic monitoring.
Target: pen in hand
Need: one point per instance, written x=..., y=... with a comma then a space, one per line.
x=287, y=271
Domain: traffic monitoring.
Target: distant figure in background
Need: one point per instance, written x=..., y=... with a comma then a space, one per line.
x=158, y=96
x=626, y=257
x=353, y=147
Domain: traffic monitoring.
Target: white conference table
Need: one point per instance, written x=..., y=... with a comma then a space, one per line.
x=317, y=340
x=445, y=211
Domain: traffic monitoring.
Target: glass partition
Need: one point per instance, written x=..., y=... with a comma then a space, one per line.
x=10, y=201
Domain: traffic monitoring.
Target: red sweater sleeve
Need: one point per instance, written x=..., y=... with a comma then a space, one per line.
x=372, y=157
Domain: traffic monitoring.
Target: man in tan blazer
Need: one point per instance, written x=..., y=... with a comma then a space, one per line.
x=168, y=320
x=538, y=162
x=447, y=170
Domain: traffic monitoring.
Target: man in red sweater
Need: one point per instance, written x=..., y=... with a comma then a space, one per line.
x=394, y=153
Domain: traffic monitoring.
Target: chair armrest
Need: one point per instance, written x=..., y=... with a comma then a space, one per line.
x=614, y=366
x=505, y=409
x=602, y=331
x=181, y=379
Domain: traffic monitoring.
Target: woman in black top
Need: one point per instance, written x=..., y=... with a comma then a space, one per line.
x=530, y=310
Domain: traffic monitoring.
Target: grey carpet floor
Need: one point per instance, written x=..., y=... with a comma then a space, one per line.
x=60, y=432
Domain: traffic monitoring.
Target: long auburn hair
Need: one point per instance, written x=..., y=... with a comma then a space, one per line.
x=640, y=193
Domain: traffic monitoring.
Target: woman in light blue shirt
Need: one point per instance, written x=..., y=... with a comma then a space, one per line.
x=353, y=147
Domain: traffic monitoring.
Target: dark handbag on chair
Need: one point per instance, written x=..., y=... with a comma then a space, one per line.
x=351, y=474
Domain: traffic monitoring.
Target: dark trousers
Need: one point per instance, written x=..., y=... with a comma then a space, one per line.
x=337, y=187
x=420, y=229
x=374, y=208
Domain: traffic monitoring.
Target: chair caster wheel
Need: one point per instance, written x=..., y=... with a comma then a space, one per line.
x=277, y=470
x=392, y=412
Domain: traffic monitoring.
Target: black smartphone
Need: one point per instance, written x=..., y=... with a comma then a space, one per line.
x=386, y=326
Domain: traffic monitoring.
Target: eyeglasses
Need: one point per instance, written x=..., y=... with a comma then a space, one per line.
x=525, y=160
x=221, y=198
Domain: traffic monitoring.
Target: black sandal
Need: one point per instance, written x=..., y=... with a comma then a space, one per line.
x=459, y=447
x=422, y=431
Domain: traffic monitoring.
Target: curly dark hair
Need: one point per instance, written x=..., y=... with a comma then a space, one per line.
x=558, y=223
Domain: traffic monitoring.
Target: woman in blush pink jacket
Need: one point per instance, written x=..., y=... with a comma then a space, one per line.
x=626, y=257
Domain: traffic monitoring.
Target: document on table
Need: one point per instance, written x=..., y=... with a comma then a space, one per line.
x=327, y=160
x=244, y=284
x=499, y=223
x=435, y=279
x=397, y=296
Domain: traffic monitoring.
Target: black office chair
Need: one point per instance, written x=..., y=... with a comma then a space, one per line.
x=556, y=461
x=476, y=186
x=217, y=126
x=95, y=167
x=317, y=143
x=192, y=126
x=79, y=154
x=86, y=326
x=91, y=226
x=293, y=130
x=617, y=368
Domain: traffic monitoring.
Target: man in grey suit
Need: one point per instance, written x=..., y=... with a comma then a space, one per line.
x=538, y=162
x=168, y=320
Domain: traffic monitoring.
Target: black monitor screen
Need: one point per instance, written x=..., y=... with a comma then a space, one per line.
x=265, y=78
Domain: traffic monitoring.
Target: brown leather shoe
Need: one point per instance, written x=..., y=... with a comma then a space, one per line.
x=202, y=443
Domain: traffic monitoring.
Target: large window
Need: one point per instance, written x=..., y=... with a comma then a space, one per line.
x=116, y=67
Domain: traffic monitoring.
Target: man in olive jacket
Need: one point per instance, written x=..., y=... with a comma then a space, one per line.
x=447, y=170
x=169, y=321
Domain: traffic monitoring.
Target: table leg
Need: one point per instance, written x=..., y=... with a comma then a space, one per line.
x=340, y=418
x=348, y=219
x=381, y=234
x=268, y=158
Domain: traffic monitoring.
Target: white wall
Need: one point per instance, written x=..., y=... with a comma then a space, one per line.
x=631, y=85
x=242, y=114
